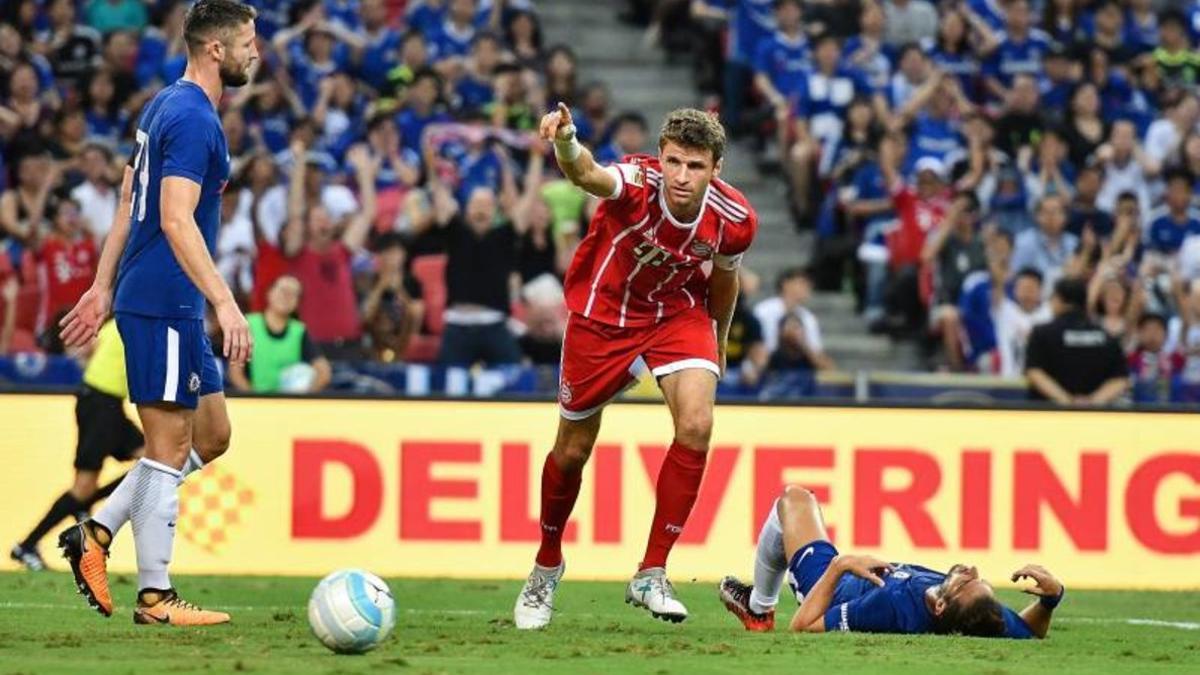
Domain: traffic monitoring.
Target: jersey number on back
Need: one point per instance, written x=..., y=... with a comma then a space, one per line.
x=141, y=169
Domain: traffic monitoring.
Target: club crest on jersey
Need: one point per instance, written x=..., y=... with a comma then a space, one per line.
x=193, y=383
x=701, y=249
x=564, y=393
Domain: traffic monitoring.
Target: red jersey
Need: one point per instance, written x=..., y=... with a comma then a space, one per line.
x=917, y=218
x=638, y=265
x=65, y=271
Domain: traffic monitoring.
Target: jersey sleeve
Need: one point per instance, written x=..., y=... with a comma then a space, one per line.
x=186, y=146
x=735, y=241
x=1015, y=627
x=870, y=613
x=631, y=182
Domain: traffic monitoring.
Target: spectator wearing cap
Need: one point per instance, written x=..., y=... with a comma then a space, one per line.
x=392, y=307
x=1048, y=247
x=1071, y=360
x=282, y=347
x=321, y=258
x=909, y=21
x=1177, y=60
x=920, y=208
x=97, y=194
x=1020, y=51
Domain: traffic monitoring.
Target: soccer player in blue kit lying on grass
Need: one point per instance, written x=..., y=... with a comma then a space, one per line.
x=864, y=594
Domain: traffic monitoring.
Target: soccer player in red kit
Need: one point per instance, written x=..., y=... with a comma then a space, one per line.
x=656, y=278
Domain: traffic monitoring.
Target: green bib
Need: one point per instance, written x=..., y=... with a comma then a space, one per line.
x=273, y=353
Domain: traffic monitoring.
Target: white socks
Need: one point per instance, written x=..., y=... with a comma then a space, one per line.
x=115, y=512
x=770, y=564
x=153, y=508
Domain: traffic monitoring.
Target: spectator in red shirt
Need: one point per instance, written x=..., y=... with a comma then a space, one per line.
x=321, y=259
x=920, y=209
x=66, y=261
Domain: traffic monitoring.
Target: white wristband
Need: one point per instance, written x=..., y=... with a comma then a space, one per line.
x=568, y=150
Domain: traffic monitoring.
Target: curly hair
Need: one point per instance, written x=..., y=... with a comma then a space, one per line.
x=693, y=128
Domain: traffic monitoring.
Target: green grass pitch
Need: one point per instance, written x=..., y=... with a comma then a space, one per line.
x=466, y=627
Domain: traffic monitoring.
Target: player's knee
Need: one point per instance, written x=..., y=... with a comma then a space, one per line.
x=573, y=455
x=796, y=499
x=214, y=443
x=84, y=487
x=694, y=429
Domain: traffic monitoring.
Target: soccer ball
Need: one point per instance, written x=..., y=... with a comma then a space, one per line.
x=351, y=611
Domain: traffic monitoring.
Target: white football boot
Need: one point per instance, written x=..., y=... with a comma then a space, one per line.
x=650, y=590
x=535, y=604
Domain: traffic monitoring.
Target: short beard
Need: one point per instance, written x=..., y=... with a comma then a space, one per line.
x=233, y=78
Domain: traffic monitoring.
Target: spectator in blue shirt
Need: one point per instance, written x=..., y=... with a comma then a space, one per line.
x=780, y=62
x=1048, y=247
x=867, y=51
x=825, y=94
x=1061, y=20
x=106, y=119
x=1020, y=51
x=1177, y=219
x=1057, y=80
x=381, y=44
x=956, y=49
x=476, y=88
x=311, y=53
x=1108, y=32
x=751, y=23
x=1141, y=25
x=452, y=38
x=931, y=115
x=421, y=109
x=629, y=133
x=841, y=592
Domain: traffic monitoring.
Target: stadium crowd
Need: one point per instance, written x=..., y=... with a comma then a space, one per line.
x=955, y=159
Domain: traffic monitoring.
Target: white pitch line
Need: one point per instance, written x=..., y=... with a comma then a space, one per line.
x=1182, y=625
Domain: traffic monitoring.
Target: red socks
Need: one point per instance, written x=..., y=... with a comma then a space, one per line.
x=678, y=485
x=559, y=490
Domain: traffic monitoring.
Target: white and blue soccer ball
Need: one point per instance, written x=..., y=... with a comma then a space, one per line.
x=351, y=611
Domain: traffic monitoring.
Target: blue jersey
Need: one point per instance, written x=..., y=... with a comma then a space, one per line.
x=179, y=134
x=898, y=606
x=824, y=100
x=752, y=22
x=975, y=308
x=783, y=61
x=380, y=55
x=1142, y=36
x=931, y=137
x=449, y=41
x=1166, y=234
x=991, y=11
x=1017, y=57
x=876, y=68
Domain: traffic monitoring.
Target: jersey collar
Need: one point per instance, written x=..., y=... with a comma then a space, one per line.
x=662, y=203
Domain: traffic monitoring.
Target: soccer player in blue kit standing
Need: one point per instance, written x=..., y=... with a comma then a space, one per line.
x=862, y=593
x=165, y=274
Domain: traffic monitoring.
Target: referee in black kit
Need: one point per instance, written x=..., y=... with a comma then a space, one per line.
x=104, y=431
x=1072, y=360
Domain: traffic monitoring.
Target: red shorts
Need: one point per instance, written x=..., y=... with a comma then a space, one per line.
x=598, y=359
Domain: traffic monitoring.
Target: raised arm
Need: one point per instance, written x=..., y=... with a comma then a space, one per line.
x=292, y=238
x=365, y=169
x=575, y=160
x=82, y=323
x=1049, y=591
x=530, y=191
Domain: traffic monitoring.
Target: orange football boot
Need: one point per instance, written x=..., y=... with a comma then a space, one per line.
x=736, y=597
x=89, y=563
x=173, y=610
